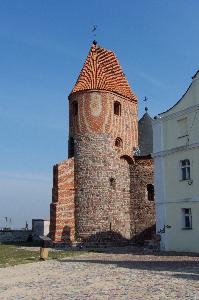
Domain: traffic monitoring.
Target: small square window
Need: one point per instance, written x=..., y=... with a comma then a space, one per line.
x=118, y=142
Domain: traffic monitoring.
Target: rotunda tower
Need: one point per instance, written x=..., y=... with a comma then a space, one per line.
x=102, y=136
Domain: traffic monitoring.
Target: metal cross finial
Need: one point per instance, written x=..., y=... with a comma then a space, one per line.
x=145, y=99
x=94, y=30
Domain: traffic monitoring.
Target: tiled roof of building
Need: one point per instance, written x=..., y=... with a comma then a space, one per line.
x=102, y=71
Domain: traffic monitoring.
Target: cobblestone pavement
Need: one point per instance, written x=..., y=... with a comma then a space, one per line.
x=104, y=276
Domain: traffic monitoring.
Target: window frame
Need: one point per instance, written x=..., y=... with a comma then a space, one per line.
x=187, y=217
x=185, y=169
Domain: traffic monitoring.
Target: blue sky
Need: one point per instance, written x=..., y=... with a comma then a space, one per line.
x=43, y=46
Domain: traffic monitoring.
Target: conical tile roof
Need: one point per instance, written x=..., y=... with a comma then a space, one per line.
x=102, y=71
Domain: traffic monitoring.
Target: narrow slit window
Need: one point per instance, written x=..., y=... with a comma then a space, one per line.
x=75, y=108
x=71, y=147
x=150, y=192
x=117, y=108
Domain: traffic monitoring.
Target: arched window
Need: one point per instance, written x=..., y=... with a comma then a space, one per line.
x=75, y=108
x=118, y=142
x=117, y=108
x=150, y=192
x=185, y=169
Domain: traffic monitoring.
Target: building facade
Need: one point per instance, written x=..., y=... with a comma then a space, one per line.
x=176, y=162
x=100, y=193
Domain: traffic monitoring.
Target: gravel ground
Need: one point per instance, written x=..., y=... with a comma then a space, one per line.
x=112, y=275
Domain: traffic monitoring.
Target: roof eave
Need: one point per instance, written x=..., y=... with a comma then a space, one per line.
x=134, y=99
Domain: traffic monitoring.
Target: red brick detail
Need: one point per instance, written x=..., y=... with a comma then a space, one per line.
x=96, y=116
x=102, y=71
x=62, y=221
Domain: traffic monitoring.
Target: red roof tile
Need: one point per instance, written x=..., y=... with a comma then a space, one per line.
x=102, y=71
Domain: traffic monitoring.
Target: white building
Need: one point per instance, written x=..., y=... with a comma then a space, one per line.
x=40, y=227
x=176, y=160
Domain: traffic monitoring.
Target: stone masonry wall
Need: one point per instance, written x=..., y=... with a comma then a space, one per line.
x=142, y=209
x=62, y=222
x=111, y=191
x=102, y=193
x=102, y=188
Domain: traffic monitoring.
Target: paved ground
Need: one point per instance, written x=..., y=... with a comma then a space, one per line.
x=112, y=275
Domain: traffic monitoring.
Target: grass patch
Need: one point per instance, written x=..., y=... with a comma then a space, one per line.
x=24, y=244
x=14, y=254
x=11, y=255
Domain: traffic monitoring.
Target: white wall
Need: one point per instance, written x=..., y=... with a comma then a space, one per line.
x=173, y=193
x=179, y=239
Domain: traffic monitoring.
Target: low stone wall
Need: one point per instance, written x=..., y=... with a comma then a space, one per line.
x=14, y=235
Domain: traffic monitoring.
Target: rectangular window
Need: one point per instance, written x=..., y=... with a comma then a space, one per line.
x=182, y=128
x=187, y=218
x=185, y=169
x=150, y=192
x=117, y=108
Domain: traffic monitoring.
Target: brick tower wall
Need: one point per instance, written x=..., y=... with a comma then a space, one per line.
x=96, y=116
x=62, y=221
x=101, y=190
x=102, y=197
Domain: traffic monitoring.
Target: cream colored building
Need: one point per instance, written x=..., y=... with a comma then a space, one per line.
x=176, y=159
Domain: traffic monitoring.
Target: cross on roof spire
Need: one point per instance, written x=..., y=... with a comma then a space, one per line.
x=145, y=100
x=94, y=30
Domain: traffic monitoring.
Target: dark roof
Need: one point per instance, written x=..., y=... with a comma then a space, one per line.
x=145, y=135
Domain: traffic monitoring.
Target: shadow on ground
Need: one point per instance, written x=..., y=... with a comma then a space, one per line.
x=182, y=265
x=141, y=250
x=182, y=269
